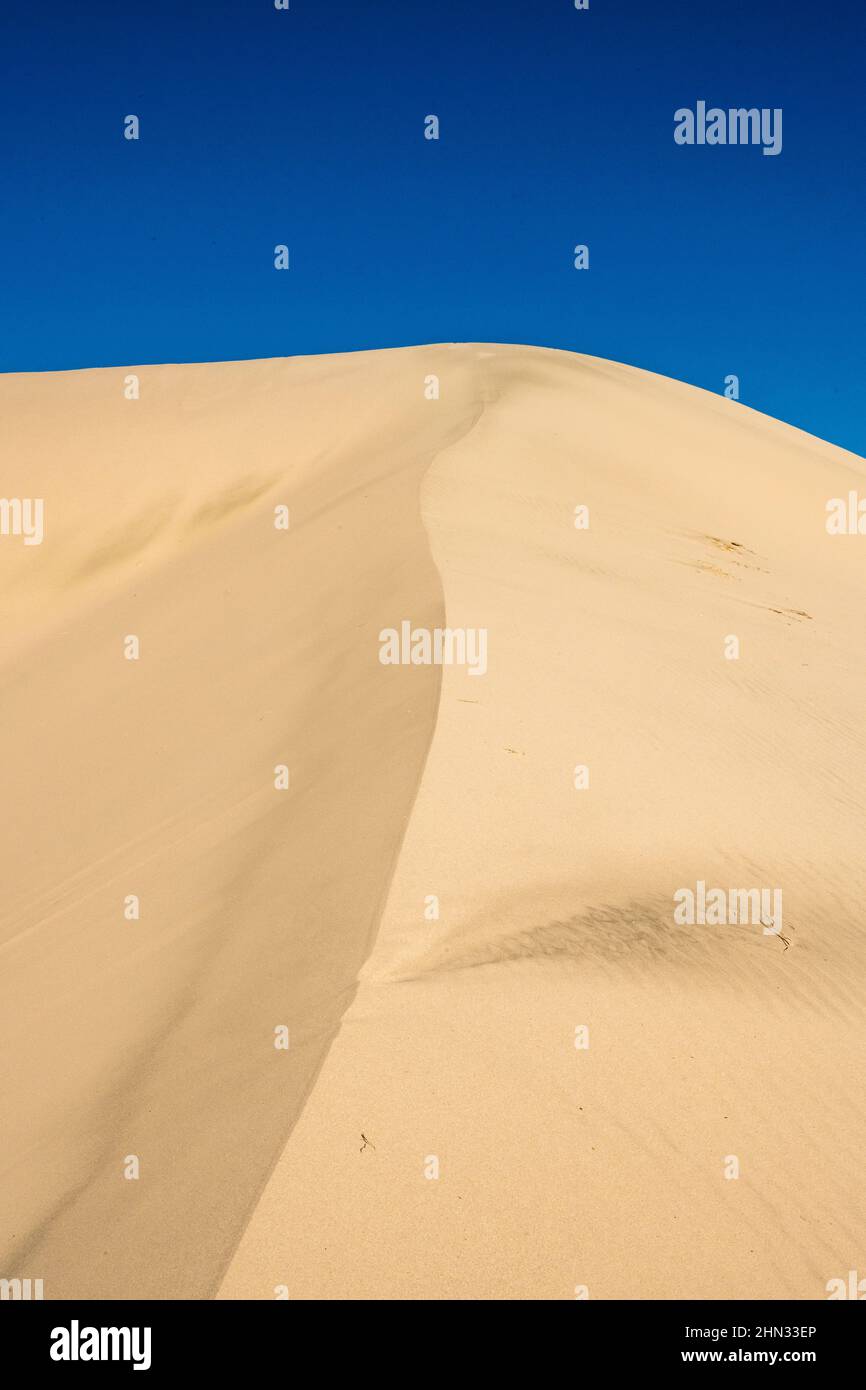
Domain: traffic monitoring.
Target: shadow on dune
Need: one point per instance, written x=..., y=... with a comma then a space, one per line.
x=258, y=908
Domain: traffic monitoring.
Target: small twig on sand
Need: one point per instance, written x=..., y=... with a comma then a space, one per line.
x=365, y=1143
x=773, y=932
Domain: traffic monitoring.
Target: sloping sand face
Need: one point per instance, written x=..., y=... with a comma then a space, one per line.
x=553, y=1089
x=544, y=1085
x=144, y=1094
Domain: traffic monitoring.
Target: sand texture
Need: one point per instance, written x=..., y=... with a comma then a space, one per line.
x=432, y=1131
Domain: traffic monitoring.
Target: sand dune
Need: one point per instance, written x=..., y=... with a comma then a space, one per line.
x=559, y=1167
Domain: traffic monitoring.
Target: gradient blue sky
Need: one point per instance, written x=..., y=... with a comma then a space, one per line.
x=306, y=127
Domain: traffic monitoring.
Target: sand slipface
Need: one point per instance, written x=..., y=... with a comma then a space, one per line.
x=543, y=1083
x=154, y=1039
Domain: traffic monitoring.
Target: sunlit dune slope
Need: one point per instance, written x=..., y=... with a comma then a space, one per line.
x=711, y=1049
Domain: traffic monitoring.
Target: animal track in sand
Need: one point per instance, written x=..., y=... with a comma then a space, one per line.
x=791, y=613
x=736, y=549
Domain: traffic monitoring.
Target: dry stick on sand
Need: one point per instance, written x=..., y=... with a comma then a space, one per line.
x=365, y=1143
x=775, y=933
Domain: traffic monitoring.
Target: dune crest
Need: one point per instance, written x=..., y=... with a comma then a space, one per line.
x=510, y=1072
x=555, y=1074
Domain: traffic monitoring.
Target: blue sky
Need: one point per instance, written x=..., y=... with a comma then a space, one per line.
x=305, y=127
